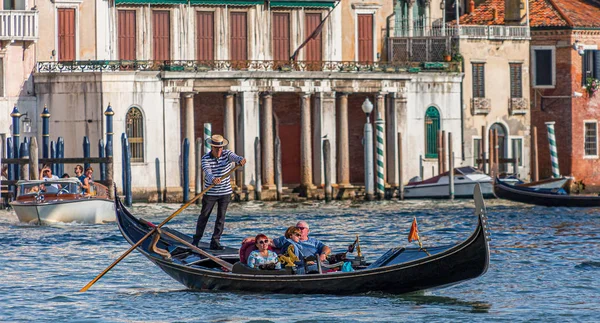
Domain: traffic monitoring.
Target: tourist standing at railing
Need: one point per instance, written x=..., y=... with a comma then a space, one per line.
x=215, y=164
x=88, y=181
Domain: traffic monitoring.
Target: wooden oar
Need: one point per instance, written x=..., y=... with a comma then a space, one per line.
x=200, y=251
x=86, y=287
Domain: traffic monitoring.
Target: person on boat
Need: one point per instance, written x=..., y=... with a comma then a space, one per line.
x=215, y=164
x=292, y=238
x=308, y=245
x=65, y=175
x=263, y=257
x=88, y=181
x=79, y=173
x=46, y=175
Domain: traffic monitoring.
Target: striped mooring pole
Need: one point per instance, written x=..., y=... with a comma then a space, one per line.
x=380, y=187
x=207, y=134
x=553, y=151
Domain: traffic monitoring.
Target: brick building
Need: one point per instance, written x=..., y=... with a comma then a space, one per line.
x=565, y=38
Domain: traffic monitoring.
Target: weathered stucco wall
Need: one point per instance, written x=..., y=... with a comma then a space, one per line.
x=496, y=55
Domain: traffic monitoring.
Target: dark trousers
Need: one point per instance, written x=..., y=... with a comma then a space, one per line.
x=208, y=203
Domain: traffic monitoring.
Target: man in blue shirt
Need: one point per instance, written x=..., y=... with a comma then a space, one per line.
x=308, y=246
x=215, y=164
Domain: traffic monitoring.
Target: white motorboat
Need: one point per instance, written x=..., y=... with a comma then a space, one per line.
x=465, y=179
x=62, y=200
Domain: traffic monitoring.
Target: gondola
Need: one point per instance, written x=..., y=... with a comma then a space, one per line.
x=399, y=270
x=542, y=196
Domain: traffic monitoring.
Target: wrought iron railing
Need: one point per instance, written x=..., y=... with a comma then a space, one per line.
x=225, y=65
x=518, y=106
x=480, y=106
x=19, y=25
x=469, y=31
x=421, y=49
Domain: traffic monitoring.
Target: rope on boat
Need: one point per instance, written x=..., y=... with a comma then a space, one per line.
x=164, y=253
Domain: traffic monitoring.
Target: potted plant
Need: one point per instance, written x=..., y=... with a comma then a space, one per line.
x=457, y=57
x=447, y=57
x=592, y=85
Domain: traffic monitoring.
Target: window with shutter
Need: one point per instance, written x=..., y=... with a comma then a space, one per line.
x=478, y=80
x=432, y=125
x=127, y=41
x=205, y=35
x=591, y=139
x=516, y=82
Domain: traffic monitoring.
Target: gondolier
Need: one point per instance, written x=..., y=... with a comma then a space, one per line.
x=215, y=164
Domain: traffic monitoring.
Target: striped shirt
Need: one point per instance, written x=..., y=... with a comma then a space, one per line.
x=217, y=167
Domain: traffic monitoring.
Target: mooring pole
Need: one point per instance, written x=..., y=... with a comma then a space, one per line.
x=535, y=173
x=278, y=176
x=401, y=167
x=185, y=156
x=258, y=170
x=45, y=132
x=450, y=167
x=327, y=170
x=33, y=159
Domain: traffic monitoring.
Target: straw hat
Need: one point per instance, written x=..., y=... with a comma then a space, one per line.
x=217, y=141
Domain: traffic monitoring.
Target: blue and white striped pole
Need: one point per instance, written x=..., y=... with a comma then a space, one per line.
x=553, y=151
x=207, y=134
x=379, y=128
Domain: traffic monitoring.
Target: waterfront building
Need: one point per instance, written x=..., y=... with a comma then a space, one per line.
x=565, y=41
x=168, y=67
x=18, y=33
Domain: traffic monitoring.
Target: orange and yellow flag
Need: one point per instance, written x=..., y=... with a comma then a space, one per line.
x=414, y=232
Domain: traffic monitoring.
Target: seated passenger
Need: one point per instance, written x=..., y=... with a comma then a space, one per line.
x=292, y=238
x=308, y=245
x=263, y=258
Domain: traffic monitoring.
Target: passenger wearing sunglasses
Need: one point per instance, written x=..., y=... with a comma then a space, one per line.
x=308, y=245
x=263, y=257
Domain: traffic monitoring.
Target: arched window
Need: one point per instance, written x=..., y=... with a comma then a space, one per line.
x=432, y=125
x=502, y=144
x=135, y=132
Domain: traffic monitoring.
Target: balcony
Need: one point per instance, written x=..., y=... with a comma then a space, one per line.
x=517, y=106
x=428, y=44
x=480, y=106
x=19, y=25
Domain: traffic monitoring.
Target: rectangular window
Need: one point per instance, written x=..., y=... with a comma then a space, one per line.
x=127, y=41
x=66, y=34
x=478, y=80
x=518, y=145
x=476, y=151
x=281, y=36
x=239, y=37
x=161, y=35
x=516, y=80
x=365, y=38
x=591, y=139
x=591, y=65
x=543, y=66
x=205, y=36
x=313, y=48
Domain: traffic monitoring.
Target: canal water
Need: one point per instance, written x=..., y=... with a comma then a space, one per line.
x=545, y=266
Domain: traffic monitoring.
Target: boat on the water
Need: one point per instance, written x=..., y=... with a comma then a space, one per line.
x=543, y=195
x=541, y=185
x=465, y=179
x=399, y=270
x=62, y=200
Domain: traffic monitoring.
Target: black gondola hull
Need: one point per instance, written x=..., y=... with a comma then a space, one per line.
x=458, y=263
x=523, y=195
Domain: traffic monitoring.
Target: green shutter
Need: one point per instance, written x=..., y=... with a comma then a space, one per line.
x=303, y=4
x=432, y=125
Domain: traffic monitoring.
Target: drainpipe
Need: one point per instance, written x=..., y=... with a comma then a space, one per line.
x=387, y=32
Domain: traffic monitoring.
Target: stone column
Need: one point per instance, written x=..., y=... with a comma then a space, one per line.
x=380, y=99
x=229, y=120
x=266, y=139
x=401, y=107
x=190, y=134
x=391, y=128
x=247, y=116
x=229, y=125
x=323, y=128
x=343, y=147
x=305, y=143
x=411, y=24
